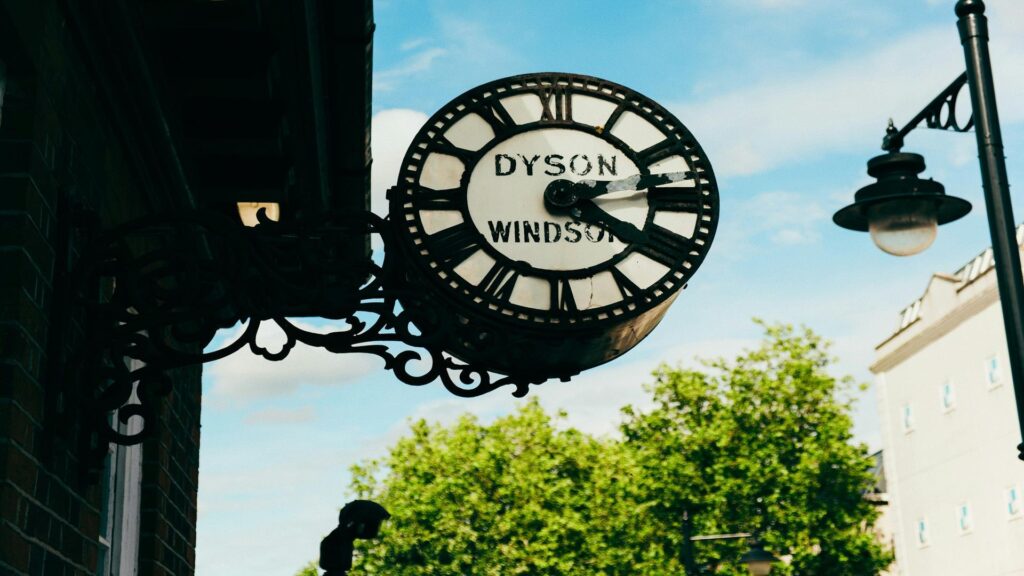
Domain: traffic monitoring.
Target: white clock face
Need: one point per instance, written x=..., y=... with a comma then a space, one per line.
x=472, y=200
x=506, y=198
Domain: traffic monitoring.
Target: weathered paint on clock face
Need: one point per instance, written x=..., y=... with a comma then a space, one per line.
x=470, y=203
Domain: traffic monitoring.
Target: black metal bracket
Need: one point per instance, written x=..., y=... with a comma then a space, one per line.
x=939, y=114
x=156, y=290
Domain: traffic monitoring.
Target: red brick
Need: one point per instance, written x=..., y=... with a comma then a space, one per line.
x=17, y=345
x=89, y=522
x=71, y=149
x=18, y=468
x=18, y=229
x=14, y=547
x=10, y=504
x=17, y=384
x=19, y=427
x=20, y=309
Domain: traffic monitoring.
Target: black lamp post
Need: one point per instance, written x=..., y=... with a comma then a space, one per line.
x=758, y=560
x=902, y=211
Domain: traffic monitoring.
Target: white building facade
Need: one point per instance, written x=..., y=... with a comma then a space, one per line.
x=950, y=431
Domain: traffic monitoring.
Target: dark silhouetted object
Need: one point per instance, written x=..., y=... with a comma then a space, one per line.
x=358, y=519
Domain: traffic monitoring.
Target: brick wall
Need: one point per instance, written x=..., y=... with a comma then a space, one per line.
x=170, y=473
x=57, y=145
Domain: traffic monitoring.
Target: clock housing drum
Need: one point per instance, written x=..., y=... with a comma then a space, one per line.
x=547, y=289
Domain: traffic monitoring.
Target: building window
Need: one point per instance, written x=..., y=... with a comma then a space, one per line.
x=922, y=532
x=120, y=513
x=964, y=519
x=908, y=418
x=947, y=396
x=992, y=372
x=1014, y=507
x=106, y=509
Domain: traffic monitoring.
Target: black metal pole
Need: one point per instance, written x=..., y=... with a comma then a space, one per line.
x=688, y=549
x=973, y=27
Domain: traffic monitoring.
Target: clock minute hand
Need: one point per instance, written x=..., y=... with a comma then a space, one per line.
x=593, y=188
x=588, y=211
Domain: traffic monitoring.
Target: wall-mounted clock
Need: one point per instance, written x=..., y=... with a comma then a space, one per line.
x=556, y=216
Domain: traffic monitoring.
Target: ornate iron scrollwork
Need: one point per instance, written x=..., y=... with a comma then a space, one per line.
x=174, y=279
x=939, y=114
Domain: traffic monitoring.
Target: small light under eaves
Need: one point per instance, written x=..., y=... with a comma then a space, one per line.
x=247, y=212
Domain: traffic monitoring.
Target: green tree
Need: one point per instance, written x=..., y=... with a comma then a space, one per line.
x=518, y=496
x=762, y=444
x=309, y=570
x=759, y=443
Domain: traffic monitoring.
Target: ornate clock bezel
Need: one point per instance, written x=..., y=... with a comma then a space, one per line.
x=551, y=87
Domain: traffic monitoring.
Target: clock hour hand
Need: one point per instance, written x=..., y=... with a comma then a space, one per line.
x=589, y=212
x=594, y=188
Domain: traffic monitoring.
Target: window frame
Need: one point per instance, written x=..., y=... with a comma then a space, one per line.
x=1015, y=490
x=993, y=365
x=923, y=535
x=960, y=510
x=907, y=417
x=949, y=406
x=121, y=512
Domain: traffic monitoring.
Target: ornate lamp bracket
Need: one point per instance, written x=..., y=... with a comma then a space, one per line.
x=155, y=291
x=939, y=114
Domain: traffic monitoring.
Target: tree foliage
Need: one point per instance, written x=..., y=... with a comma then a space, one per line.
x=760, y=443
x=518, y=496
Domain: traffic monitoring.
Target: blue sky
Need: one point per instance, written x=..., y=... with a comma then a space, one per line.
x=789, y=99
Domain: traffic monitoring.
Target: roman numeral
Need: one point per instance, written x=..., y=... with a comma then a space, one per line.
x=444, y=146
x=427, y=199
x=657, y=152
x=557, y=104
x=664, y=246
x=499, y=281
x=675, y=199
x=455, y=244
x=562, y=298
x=497, y=116
x=627, y=287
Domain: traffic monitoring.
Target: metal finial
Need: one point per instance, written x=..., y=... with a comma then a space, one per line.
x=892, y=142
x=965, y=7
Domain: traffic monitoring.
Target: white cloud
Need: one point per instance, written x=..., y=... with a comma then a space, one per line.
x=779, y=3
x=269, y=511
x=843, y=105
x=393, y=131
x=282, y=416
x=415, y=64
x=1006, y=38
x=593, y=400
x=768, y=125
x=244, y=376
x=471, y=41
x=452, y=47
x=789, y=218
x=771, y=219
x=413, y=44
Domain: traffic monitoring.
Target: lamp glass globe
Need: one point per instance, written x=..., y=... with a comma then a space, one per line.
x=759, y=567
x=903, y=227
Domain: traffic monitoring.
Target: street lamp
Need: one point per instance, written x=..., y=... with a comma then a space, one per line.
x=902, y=211
x=758, y=560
